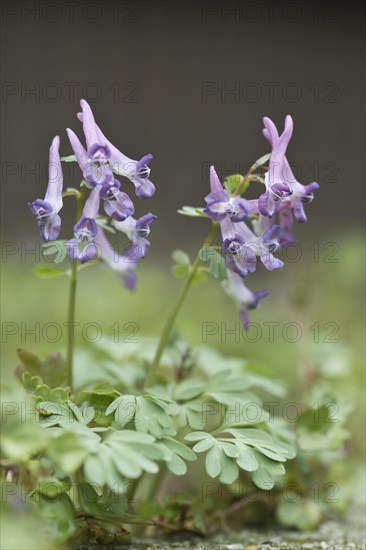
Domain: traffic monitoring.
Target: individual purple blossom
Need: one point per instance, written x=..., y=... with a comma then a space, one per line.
x=242, y=247
x=220, y=205
x=49, y=221
x=93, y=162
x=137, y=230
x=277, y=189
x=244, y=298
x=117, y=204
x=85, y=230
x=280, y=170
x=137, y=172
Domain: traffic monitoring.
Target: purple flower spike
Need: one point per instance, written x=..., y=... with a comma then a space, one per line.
x=281, y=171
x=121, y=264
x=137, y=172
x=137, y=231
x=49, y=222
x=220, y=205
x=244, y=298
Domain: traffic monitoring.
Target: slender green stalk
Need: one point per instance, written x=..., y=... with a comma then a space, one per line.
x=72, y=301
x=165, y=335
x=71, y=320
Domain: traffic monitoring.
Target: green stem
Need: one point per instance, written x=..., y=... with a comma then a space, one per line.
x=165, y=335
x=72, y=301
x=71, y=320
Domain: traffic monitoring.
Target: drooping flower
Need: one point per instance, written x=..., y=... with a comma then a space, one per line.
x=242, y=247
x=280, y=171
x=137, y=172
x=220, y=205
x=49, y=221
x=244, y=298
x=123, y=264
x=85, y=230
x=93, y=162
x=117, y=204
x=137, y=230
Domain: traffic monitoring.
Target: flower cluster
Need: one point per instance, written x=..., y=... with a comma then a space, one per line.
x=99, y=162
x=271, y=217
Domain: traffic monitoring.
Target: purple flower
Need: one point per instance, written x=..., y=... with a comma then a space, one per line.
x=280, y=171
x=123, y=265
x=244, y=298
x=49, y=222
x=117, y=204
x=137, y=172
x=81, y=247
x=242, y=247
x=94, y=162
x=220, y=205
x=277, y=189
x=137, y=231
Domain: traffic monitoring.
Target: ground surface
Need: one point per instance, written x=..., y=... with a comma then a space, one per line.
x=331, y=535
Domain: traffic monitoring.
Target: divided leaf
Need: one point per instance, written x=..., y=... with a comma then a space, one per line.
x=215, y=260
x=251, y=450
x=148, y=414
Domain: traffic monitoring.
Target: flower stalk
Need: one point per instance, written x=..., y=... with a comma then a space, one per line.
x=167, y=330
x=72, y=299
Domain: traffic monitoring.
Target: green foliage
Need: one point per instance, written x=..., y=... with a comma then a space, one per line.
x=236, y=183
x=47, y=271
x=103, y=223
x=69, y=158
x=183, y=267
x=301, y=513
x=260, y=162
x=51, y=370
x=192, y=212
x=121, y=456
x=251, y=450
x=147, y=413
x=215, y=260
x=55, y=250
x=86, y=453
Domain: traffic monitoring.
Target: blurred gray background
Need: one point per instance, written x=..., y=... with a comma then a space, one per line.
x=190, y=83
